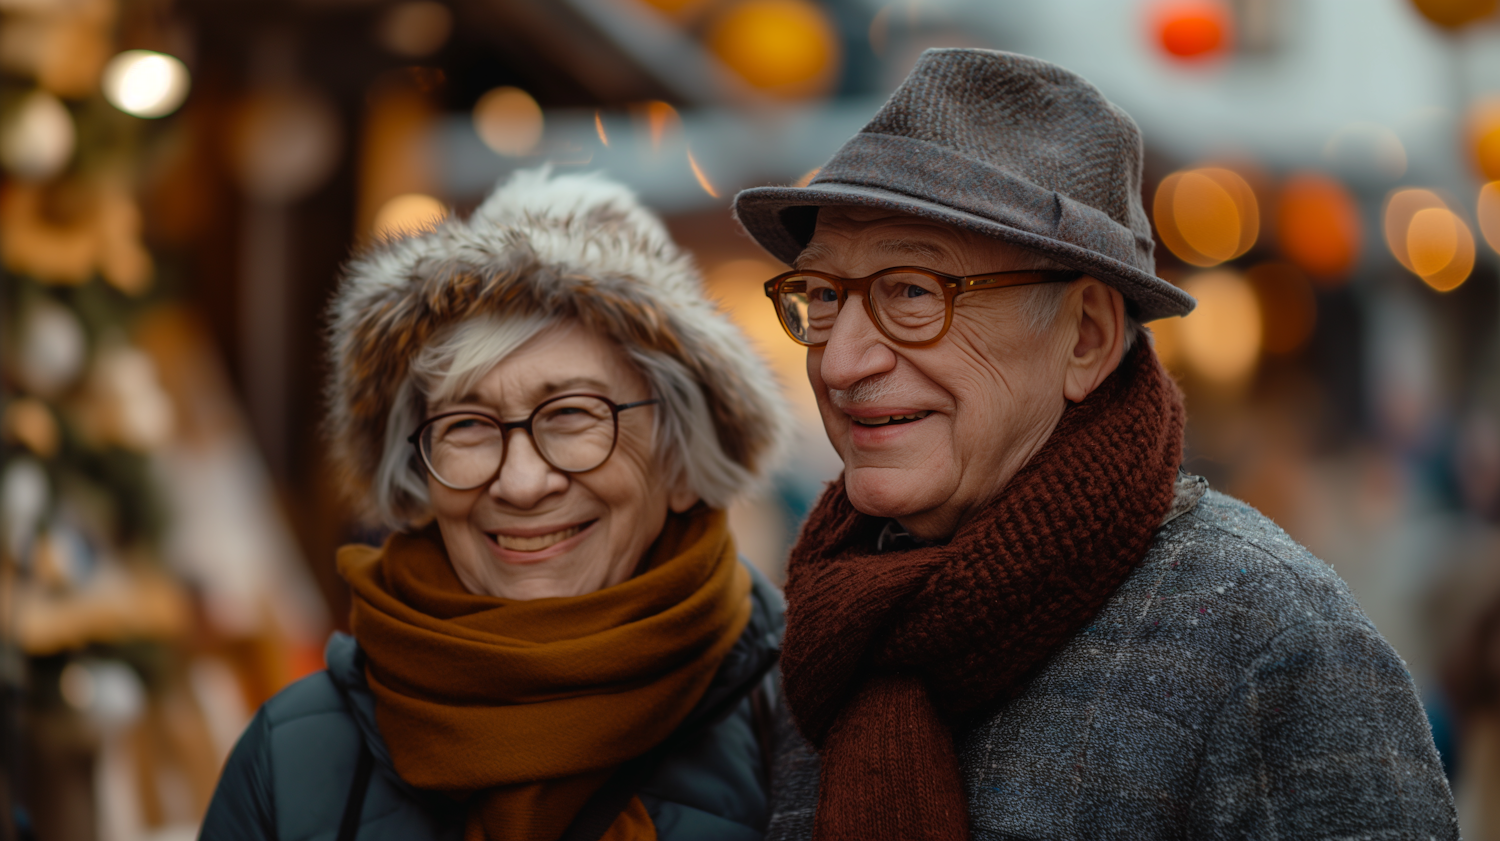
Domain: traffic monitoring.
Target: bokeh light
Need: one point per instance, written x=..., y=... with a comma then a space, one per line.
x=1428, y=238
x=1289, y=308
x=737, y=285
x=1206, y=216
x=783, y=47
x=1318, y=226
x=145, y=84
x=1489, y=213
x=1452, y=14
x=416, y=29
x=1191, y=29
x=1483, y=131
x=1221, y=338
x=37, y=137
x=284, y=143
x=408, y=214
x=661, y=118
x=509, y=121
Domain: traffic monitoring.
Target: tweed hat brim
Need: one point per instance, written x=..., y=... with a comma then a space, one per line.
x=782, y=220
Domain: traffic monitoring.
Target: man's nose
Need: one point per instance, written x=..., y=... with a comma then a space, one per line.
x=525, y=477
x=856, y=348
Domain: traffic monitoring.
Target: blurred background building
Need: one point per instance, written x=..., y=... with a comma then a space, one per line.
x=180, y=180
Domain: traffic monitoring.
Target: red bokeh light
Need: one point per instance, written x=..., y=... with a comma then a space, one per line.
x=1192, y=29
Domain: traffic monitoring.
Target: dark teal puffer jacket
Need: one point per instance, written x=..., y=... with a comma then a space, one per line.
x=290, y=775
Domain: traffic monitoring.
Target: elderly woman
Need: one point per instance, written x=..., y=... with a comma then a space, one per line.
x=558, y=639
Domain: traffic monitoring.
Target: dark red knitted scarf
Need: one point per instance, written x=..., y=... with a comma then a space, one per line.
x=886, y=653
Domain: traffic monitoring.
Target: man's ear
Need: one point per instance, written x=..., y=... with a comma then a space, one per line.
x=1099, y=343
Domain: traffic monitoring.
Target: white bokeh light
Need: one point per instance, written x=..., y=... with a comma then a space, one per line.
x=145, y=84
x=37, y=137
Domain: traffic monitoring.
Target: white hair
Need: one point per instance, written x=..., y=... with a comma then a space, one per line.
x=686, y=439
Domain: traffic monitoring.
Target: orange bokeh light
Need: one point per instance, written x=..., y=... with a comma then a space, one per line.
x=1221, y=338
x=1318, y=226
x=1489, y=213
x=1428, y=238
x=1452, y=14
x=784, y=47
x=1206, y=216
x=1482, y=129
x=1192, y=29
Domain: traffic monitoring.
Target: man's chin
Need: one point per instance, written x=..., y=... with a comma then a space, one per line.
x=890, y=491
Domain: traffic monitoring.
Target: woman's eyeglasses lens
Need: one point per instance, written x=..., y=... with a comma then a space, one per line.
x=573, y=433
x=910, y=307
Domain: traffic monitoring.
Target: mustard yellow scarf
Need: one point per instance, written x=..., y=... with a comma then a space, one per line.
x=526, y=707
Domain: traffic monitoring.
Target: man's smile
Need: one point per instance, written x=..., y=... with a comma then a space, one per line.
x=889, y=420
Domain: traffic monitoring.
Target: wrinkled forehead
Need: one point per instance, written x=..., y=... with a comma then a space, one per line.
x=850, y=239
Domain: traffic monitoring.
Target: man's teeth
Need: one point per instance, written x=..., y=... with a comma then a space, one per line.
x=888, y=419
x=535, y=544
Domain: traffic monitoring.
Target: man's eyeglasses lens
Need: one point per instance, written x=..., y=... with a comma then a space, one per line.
x=574, y=433
x=910, y=307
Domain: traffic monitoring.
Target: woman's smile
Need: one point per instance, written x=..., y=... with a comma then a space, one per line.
x=516, y=541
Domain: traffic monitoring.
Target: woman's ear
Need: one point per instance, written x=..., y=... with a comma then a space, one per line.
x=1098, y=346
x=682, y=497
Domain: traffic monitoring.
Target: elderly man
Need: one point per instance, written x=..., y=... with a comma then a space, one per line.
x=1013, y=617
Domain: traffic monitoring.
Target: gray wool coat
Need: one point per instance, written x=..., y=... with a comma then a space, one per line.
x=1231, y=688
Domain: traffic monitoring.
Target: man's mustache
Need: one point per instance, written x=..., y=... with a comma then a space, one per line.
x=878, y=389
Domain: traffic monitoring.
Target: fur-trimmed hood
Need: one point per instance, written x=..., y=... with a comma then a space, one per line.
x=575, y=246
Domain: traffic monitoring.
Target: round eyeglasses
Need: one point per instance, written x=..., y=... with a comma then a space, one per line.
x=574, y=433
x=910, y=306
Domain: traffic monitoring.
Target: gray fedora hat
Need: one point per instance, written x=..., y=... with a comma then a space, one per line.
x=1006, y=145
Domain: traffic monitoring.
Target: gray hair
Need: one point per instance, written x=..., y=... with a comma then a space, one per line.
x=686, y=439
x=1043, y=302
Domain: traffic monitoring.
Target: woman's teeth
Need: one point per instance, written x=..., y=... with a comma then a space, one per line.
x=535, y=544
x=890, y=419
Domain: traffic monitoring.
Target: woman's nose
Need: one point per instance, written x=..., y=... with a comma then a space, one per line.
x=525, y=477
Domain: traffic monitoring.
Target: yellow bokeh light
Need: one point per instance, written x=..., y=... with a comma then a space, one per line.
x=509, y=121
x=1441, y=248
x=1431, y=240
x=408, y=214
x=1221, y=338
x=145, y=84
x=1207, y=216
x=1428, y=238
x=784, y=47
x=738, y=287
